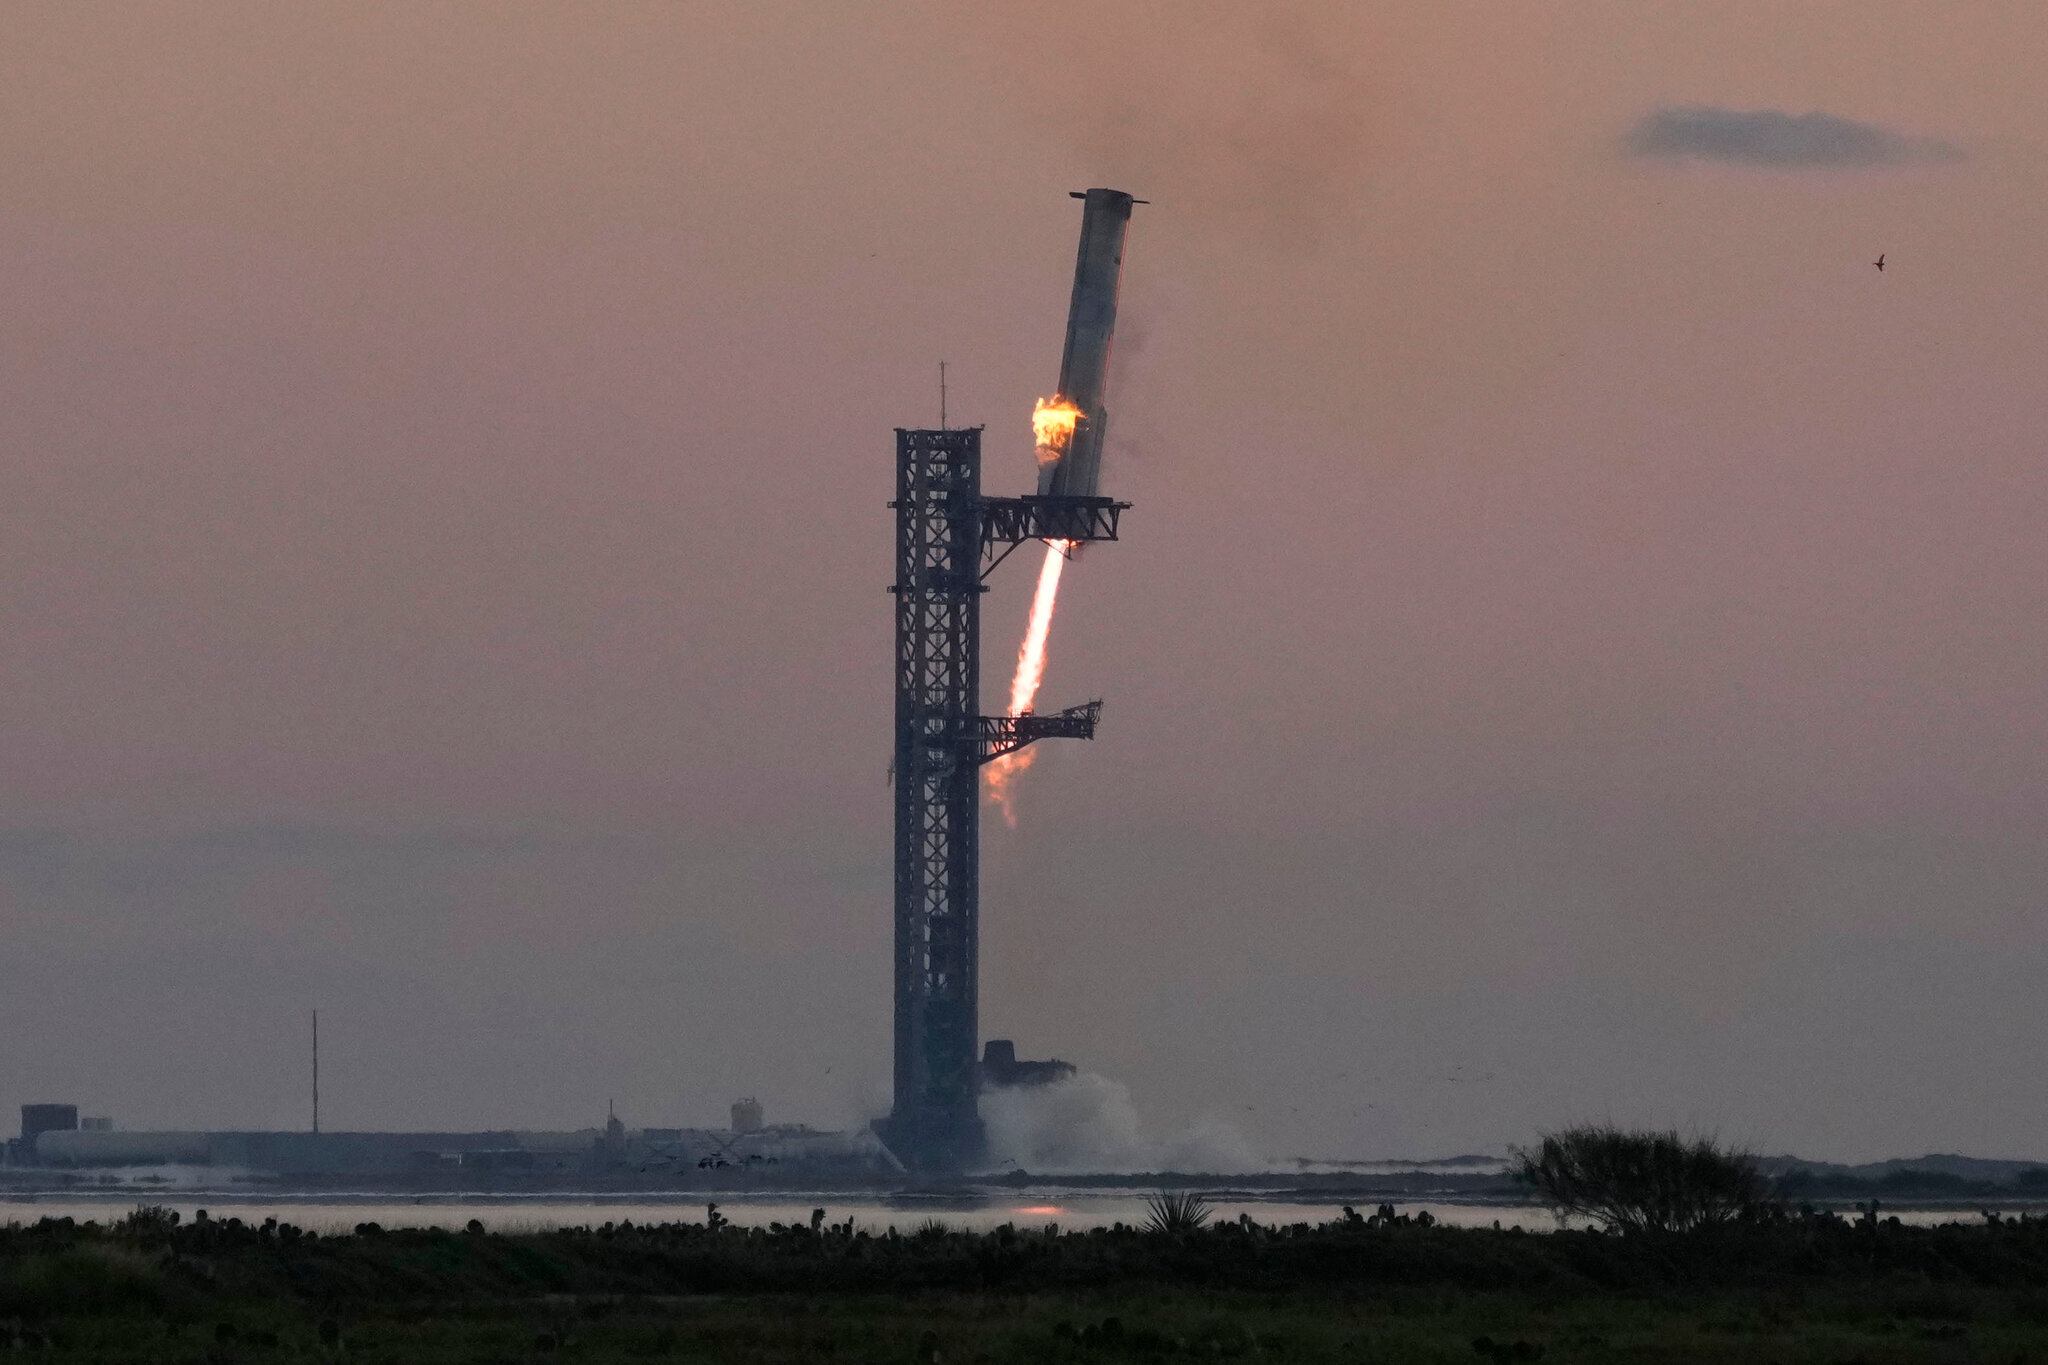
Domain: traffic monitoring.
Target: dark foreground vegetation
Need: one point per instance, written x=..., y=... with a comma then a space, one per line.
x=1786, y=1286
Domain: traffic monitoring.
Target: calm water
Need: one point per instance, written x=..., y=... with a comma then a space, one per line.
x=1034, y=1208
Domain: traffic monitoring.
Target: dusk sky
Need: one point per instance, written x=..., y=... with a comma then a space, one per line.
x=1577, y=650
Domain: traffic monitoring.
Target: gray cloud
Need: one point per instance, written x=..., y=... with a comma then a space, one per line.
x=1771, y=137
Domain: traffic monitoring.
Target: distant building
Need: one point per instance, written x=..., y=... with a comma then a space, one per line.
x=614, y=1136
x=37, y=1119
x=746, y=1115
x=510, y=1157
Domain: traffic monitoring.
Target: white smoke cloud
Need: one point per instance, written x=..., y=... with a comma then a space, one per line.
x=1087, y=1124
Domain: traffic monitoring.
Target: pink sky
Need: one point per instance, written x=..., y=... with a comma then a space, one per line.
x=1580, y=623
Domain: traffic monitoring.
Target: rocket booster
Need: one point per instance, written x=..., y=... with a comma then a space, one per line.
x=1091, y=322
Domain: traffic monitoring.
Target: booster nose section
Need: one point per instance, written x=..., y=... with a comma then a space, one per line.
x=1091, y=325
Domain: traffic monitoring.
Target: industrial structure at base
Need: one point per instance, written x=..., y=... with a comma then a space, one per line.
x=56, y=1145
x=948, y=538
x=54, y=1141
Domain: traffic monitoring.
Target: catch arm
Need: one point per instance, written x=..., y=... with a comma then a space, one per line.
x=1006, y=734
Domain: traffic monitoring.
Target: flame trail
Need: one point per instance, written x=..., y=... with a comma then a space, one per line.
x=1052, y=430
x=1030, y=672
x=1031, y=655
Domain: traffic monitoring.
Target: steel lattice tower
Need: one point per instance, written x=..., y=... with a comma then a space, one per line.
x=945, y=530
x=938, y=827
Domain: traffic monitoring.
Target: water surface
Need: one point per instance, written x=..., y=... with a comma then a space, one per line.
x=1034, y=1208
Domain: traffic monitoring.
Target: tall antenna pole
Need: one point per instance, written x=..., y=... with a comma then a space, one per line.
x=942, y=395
x=316, y=1071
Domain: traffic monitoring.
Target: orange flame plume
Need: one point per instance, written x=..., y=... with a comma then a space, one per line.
x=1052, y=426
x=1030, y=672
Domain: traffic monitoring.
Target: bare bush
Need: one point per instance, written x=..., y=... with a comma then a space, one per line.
x=1638, y=1182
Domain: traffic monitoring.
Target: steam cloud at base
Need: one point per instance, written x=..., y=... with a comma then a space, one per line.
x=1087, y=1124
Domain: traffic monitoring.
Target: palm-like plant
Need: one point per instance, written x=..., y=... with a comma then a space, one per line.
x=1175, y=1214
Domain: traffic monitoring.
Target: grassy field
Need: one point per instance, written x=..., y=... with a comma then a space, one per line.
x=1794, y=1289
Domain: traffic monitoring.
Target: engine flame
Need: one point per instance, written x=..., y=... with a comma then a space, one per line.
x=1052, y=427
x=1000, y=772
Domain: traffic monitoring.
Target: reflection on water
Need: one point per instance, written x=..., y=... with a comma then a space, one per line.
x=1069, y=1209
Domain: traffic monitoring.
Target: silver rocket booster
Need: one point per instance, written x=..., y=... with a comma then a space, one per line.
x=1091, y=322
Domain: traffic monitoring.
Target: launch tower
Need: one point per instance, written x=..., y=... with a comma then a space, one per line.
x=948, y=539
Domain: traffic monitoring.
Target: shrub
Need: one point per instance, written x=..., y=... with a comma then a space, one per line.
x=1176, y=1213
x=1638, y=1182
x=149, y=1225
x=93, y=1279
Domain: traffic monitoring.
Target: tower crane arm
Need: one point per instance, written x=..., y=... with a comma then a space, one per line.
x=1006, y=734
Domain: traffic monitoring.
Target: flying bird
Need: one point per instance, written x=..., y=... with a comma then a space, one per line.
x=1879, y=262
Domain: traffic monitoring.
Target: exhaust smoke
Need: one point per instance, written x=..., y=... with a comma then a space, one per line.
x=1087, y=1124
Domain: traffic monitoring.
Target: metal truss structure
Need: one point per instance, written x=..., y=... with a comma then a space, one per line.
x=944, y=531
x=1007, y=523
x=1006, y=734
